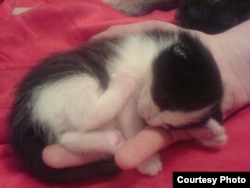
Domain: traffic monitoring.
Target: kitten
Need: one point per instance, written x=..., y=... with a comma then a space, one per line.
x=209, y=16
x=91, y=99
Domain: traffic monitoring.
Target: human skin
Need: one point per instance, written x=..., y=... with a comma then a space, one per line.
x=231, y=52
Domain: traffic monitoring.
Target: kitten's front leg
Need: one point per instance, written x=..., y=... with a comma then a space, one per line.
x=92, y=142
x=110, y=103
x=211, y=135
x=131, y=123
x=129, y=120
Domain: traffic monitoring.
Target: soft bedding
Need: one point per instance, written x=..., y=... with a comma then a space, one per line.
x=32, y=29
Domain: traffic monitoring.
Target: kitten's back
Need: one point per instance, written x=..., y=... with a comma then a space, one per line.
x=29, y=137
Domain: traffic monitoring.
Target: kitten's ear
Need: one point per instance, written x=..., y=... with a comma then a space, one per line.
x=180, y=50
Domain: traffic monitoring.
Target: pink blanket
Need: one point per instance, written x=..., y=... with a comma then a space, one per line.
x=55, y=25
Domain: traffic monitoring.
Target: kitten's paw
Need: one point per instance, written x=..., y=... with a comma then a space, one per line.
x=115, y=139
x=211, y=135
x=152, y=166
x=124, y=79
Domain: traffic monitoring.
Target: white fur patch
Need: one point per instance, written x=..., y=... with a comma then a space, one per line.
x=137, y=54
x=211, y=135
x=52, y=103
x=151, y=166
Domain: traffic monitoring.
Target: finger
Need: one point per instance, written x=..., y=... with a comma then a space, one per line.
x=145, y=144
x=56, y=156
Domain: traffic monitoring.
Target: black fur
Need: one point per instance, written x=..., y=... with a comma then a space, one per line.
x=184, y=73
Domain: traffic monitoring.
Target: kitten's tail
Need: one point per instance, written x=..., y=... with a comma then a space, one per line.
x=29, y=143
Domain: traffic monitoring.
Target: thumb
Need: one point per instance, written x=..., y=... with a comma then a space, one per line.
x=146, y=143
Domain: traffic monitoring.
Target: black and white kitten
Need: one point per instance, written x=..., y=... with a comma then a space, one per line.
x=91, y=99
x=209, y=16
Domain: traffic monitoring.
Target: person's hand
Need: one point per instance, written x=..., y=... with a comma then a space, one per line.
x=230, y=50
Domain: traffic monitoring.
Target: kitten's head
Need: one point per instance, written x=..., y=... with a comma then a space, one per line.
x=186, y=85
